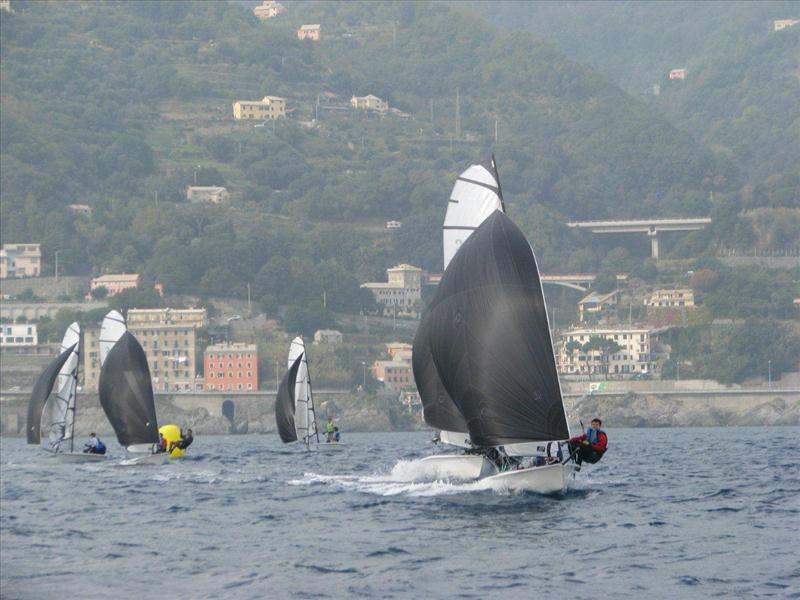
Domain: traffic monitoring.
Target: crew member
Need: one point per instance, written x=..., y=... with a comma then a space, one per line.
x=94, y=445
x=162, y=443
x=329, y=429
x=185, y=441
x=590, y=446
x=336, y=434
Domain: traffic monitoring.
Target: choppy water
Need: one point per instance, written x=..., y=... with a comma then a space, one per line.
x=678, y=513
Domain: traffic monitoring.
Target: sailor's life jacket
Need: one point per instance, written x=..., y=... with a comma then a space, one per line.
x=598, y=443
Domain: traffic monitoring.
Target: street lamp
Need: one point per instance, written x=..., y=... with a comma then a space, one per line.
x=364, y=378
x=769, y=373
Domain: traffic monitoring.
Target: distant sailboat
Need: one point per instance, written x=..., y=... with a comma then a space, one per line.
x=126, y=392
x=295, y=416
x=486, y=334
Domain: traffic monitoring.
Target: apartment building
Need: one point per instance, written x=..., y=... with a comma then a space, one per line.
x=22, y=335
x=268, y=108
x=402, y=293
x=634, y=355
x=20, y=260
x=231, y=367
x=168, y=337
x=369, y=102
x=395, y=375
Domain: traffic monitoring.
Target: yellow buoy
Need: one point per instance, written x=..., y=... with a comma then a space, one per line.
x=172, y=433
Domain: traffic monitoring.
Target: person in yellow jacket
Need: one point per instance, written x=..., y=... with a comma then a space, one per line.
x=329, y=428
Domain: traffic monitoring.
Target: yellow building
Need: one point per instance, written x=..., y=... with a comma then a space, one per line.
x=168, y=338
x=268, y=108
x=676, y=298
x=369, y=103
x=402, y=294
x=20, y=260
x=268, y=10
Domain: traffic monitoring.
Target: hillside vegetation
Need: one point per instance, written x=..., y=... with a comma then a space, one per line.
x=121, y=105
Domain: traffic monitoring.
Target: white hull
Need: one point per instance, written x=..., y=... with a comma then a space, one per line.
x=331, y=447
x=548, y=479
x=147, y=459
x=78, y=457
x=465, y=467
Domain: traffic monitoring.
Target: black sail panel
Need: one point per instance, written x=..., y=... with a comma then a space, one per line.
x=284, y=403
x=491, y=343
x=126, y=393
x=438, y=408
x=41, y=391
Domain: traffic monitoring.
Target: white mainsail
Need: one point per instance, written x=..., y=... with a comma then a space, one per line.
x=476, y=195
x=58, y=414
x=304, y=419
x=111, y=330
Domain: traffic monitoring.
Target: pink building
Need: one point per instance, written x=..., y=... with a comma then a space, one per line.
x=310, y=32
x=231, y=367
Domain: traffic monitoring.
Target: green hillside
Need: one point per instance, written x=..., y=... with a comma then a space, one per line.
x=121, y=105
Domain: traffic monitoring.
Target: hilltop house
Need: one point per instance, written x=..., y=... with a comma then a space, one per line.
x=310, y=32
x=779, y=24
x=268, y=108
x=199, y=194
x=268, y=10
x=369, y=102
x=678, y=73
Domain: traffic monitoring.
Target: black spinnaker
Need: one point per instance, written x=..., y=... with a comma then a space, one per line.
x=490, y=341
x=285, y=403
x=126, y=393
x=41, y=391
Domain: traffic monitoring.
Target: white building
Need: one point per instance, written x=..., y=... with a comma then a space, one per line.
x=214, y=194
x=327, y=336
x=22, y=335
x=779, y=24
x=634, y=355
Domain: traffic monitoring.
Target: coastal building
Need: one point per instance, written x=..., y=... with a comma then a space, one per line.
x=168, y=337
x=214, y=194
x=399, y=351
x=20, y=260
x=310, y=32
x=230, y=367
x=22, y=335
x=369, y=102
x=394, y=224
x=327, y=336
x=394, y=374
x=83, y=210
x=634, y=355
x=5, y=5
x=402, y=294
x=779, y=24
x=670, y=298
x=678, y=73
x=268, y=108
x=268, y=10
x=596, y=304
x=114, y=282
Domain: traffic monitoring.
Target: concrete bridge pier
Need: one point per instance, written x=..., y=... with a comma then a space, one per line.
x=653, y=235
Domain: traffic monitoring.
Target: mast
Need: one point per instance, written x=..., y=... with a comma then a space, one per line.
x=311, y=409
x=75, y=400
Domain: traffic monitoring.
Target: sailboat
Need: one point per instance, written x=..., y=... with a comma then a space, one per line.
x=126, y=392
x=476, y=194
x=51, y=410
x=294, y=406
x=487, y=338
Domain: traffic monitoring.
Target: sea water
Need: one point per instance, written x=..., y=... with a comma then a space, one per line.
x=668, y=513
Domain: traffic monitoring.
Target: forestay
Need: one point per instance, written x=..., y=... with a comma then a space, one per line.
x=304, y=418
x=58, y=415
x=285, y=403
x=126, y=394
x=41, y=391
x=111, y=331
x=490, y=340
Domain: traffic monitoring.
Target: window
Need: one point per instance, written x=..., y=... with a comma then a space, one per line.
x=249, y=386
